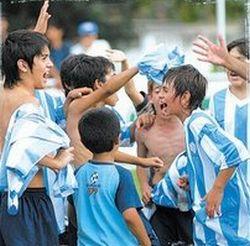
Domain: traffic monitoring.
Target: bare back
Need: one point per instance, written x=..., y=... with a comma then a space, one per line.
x=10, y=100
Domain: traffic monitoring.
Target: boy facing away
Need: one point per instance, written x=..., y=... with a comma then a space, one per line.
x=218, y=191
x=106, y=202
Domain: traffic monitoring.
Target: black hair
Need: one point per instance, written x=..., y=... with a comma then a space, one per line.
x=81, y=71
x=99, y=130
x=242, y=46
x=21, y=44
x=187, y=78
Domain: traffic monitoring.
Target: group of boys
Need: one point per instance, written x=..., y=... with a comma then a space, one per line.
x=201, y=192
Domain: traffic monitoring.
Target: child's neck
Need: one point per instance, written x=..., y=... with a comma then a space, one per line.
x=240, y=91
x=104, y=157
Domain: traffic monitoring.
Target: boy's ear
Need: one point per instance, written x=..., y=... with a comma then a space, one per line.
x=185, y=99
x=97, y=84
x=117, y=141
x=22, y=65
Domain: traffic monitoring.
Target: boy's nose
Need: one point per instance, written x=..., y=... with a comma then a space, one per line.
x=161, y=93
x=50, y=63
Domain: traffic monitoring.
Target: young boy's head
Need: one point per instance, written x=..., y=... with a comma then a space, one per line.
x=86, y=71
x=25, y=54
x=55, y=32
x=240, y=50
x=183, y=90
x=153, y=95
x=99, y=130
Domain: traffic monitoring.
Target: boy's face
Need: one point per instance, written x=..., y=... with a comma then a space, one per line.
x=41, y=68
x=154, y=97
x=54, y=33
x=168, y=102
x=113, y=99
x=233, y=77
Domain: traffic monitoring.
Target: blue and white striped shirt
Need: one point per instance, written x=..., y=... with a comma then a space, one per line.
x=29, y=137
x=233, y=115
x=52, y=102
x=167, y=193
x=210, y=150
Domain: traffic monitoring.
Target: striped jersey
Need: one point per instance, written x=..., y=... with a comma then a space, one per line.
x=233, y=115
x=210, y=149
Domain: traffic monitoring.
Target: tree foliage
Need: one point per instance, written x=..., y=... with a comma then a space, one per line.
x=115, y=17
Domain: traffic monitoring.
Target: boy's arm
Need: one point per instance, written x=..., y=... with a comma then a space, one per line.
x=62, y=158
x=136, y=226
x=142, y=172
x=130, y=89
x=43, y=18
x=79, y=106
x=139, y=161
x=215, y=195
x=127, y=202
x=218, y=55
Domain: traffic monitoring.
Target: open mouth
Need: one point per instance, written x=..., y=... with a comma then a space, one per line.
x=163, y=106
x=233, y=75
x=46, y=76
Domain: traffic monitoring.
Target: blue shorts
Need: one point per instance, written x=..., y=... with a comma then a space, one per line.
x=35, y=223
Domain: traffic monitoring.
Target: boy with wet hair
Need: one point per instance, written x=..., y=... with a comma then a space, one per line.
x=106, y=208
x=211, y=164
x=29, y=144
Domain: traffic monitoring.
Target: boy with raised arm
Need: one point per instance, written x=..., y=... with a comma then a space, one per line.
x=95, y=73
x=231, y=106
x=207, y=51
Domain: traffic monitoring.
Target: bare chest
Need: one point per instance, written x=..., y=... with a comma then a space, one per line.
x=165, y=143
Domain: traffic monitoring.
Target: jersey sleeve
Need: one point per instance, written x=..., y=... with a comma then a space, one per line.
x=167, y=193
x=126, y=195
x=222, y=149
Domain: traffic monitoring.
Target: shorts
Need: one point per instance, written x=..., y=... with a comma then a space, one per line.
x=34, y=224
x=173, y=226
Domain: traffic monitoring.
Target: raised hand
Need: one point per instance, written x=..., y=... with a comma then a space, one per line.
x=209, y=52
x=75, y=94
x=43, y=18
x=145, y=121
x=116, y=55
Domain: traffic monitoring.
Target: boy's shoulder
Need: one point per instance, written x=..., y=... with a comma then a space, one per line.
x=198, y=119
x=123, y=172
x=94, y=165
